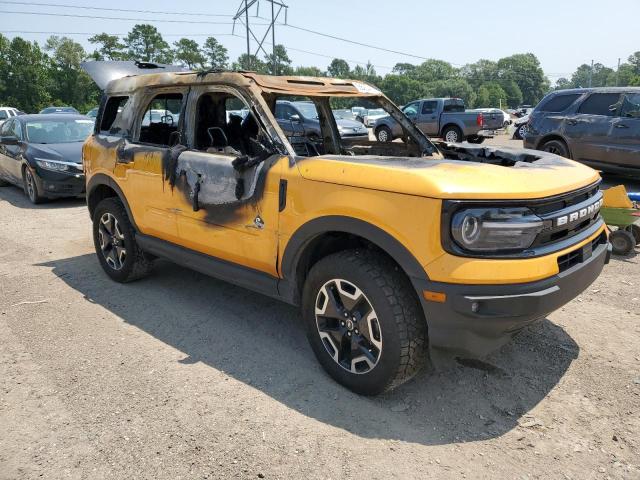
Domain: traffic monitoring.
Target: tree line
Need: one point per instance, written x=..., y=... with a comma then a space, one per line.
x=34, y=76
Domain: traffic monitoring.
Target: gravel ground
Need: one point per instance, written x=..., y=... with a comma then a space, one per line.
x=182, y=376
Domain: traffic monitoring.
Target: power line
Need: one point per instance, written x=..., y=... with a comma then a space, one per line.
x=90, y=34
x=160, y=20
x=83, y=7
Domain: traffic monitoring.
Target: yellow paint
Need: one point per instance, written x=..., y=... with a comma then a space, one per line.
x=616, y=197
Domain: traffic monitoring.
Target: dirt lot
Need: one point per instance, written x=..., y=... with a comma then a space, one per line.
x=181, y=376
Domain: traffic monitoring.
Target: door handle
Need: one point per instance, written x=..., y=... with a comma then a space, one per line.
x=621, y=125
x=572, y=122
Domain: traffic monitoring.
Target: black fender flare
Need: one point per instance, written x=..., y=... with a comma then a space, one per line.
x=309, y=231
x=102, y=179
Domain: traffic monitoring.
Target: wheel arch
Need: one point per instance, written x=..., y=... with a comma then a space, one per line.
x=102, y=186
x=324, y=236
x=451, y=124
x=554, y=136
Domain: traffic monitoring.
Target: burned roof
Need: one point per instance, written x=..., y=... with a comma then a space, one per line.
x=123, y=77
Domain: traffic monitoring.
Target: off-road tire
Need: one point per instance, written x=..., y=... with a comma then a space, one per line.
x=557, y=147
x=403, y=329
x=385, y=133
x=31, y=187
x=622, y=241
x=635, y=231
x=450, y=131
x=137, y=263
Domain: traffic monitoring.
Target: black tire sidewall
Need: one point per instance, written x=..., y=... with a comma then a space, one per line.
x=378, y=379
x=624, y=239
x=115, y=207
x=36, y=199
x=559, y=145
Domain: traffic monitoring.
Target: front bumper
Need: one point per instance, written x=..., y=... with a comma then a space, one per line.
x=478, y=319
x=59, y=184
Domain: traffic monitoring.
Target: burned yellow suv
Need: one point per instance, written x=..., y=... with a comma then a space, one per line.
x=390, y=249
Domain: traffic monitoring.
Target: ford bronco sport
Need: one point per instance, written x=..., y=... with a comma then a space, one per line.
x=388, y=248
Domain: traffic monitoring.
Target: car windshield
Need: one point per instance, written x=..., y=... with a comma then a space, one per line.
x=59, y=131
x=307, y=109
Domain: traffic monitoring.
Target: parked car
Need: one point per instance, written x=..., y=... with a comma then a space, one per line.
x=372, y=116
x=521, y=126
x=506, y=118
x=442, y=117
x=301, y=118
x=43, y=154
x=389, y=248
x=596, y=126
x=93, y=113
x=8, y=112
x=49, y=110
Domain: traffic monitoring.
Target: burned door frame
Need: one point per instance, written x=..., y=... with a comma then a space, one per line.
x=140, y=166
x=236, y=217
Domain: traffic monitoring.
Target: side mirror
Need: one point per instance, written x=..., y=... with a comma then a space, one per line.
x=295, y=118
x=9, y=140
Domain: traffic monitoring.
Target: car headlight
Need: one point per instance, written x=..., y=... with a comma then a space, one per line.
x=495, y=229
x=54, y=165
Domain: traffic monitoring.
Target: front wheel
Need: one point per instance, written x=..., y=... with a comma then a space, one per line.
x=31, y=187
x=383, y=134
x=557, y=147
x=521, y=131
x=452, y=134
x=114, y=239
x=363, y=321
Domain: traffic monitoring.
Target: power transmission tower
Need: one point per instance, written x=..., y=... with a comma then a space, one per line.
x=243, y=9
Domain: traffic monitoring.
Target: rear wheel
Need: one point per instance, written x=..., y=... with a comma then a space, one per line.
x=383, y=134
x=452, y=134
x=363, y=321
x=622, y=242
x=115, y=243
x=31, y=187
x=521, y=131
x=557, y=147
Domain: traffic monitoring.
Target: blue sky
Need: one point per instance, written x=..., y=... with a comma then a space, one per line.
x=563, y=34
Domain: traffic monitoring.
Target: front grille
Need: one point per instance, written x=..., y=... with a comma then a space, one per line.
x=581, y=254
x=553, y=210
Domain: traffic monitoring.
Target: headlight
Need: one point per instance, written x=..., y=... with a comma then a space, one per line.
x=495, y=229
x=55, y=165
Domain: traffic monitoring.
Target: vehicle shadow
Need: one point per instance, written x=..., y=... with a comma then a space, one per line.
x=16, y=197
x=261, y=342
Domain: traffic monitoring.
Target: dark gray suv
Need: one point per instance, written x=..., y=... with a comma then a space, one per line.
x=596, y=126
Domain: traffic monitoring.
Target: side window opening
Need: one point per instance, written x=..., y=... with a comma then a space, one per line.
x=3, y=115
x=160, y=120
x=225, y=125
x=16, y=129
x=429, y=107
x=453, y=106
x=111, y=123
x=605, y=104
x=559, y=103
x=630, y=106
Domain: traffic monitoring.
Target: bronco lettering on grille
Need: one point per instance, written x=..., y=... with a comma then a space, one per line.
x=579, y=214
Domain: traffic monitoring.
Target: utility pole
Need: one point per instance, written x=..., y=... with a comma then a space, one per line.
x=243, y=9
x=618, y=73
x=591, y=74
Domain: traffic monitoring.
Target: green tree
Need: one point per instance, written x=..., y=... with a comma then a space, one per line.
x=599, y=76
x=480, y=72
x=68, y=82
x=216, y=54
x=187, y=52
x=401, y=89
x=524, y=69
x=456, y=87
x=403, y=68
x=490, y=95
x=278, y=62
x=111, y=48
x=432, y=70
x=250, y=63
x=562, y=84
x=24, y=75
x=308, y=72
x=339, y=68
x=144, y=43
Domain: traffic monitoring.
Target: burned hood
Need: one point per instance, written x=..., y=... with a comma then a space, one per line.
x=105, y=72
x=462, y=172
